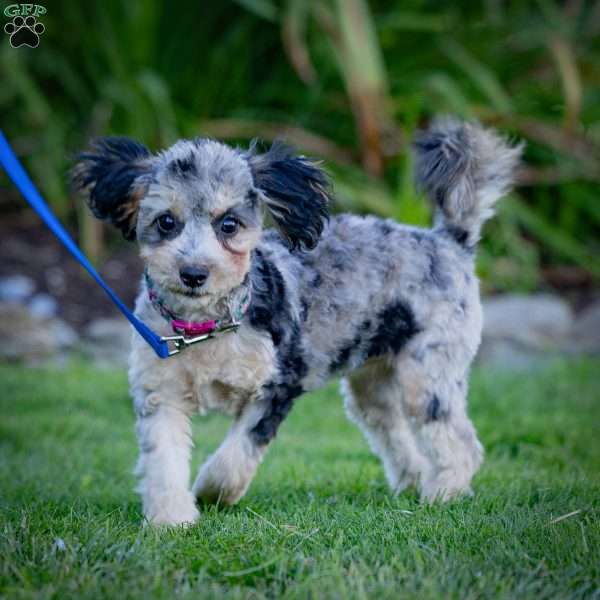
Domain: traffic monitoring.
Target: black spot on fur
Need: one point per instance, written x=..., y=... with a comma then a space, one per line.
x=280, y=399
x=343, y=356
x=396, y=325
x=108, y=172
x=459, y=235
x=296, y=192
x=279, y=395
x=292, y=365
x=183, y=166
x=270, y=311
x=435, y=411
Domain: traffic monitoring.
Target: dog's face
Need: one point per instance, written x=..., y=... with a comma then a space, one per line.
x=198, y=220
x=196, y=209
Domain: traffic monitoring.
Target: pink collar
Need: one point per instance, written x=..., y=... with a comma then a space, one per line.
x=191, y=329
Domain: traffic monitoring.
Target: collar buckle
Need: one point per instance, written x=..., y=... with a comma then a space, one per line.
x=178, y=343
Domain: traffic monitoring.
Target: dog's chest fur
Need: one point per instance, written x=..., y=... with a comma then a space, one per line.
x=227, y=372
x=221, y=374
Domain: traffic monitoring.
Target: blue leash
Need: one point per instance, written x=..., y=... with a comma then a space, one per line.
x=16, y=172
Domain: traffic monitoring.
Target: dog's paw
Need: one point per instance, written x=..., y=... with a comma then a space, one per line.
x=447, y=485
x=172, y=511
x=24, y=32
x=216, y=484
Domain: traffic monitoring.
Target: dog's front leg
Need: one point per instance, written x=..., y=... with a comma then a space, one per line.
x=227, y=474
x=164, y=435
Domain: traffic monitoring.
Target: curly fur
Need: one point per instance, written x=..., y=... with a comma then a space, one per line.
x=465, y=170
x=296, y=193
x=108, y=172
x=394, y=310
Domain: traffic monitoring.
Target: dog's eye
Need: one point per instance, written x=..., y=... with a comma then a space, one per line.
x=166, y=223
x=230, y=225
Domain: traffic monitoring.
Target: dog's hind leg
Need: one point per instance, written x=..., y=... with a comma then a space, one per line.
x=433, y=379
x=373, y=400
x=229, y=471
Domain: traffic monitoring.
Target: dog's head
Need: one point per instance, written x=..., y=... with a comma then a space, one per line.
x=196, y=209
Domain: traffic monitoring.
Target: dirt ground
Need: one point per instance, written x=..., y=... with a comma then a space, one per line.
x=29, y=248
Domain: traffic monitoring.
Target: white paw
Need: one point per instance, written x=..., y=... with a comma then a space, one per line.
x=445, y=486
x=217, y=483
x=172, y=510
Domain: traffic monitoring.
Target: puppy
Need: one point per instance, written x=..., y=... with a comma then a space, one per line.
x=393, y=310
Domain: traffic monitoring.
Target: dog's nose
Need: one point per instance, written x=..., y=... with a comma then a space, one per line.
x=193, y=277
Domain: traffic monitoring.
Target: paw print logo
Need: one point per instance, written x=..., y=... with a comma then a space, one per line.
x=24, y=32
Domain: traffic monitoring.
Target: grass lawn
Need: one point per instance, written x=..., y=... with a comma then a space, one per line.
x=318, y=522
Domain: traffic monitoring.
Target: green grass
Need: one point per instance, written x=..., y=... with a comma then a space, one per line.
x=318, y=522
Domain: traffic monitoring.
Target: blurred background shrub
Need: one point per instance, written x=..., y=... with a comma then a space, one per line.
x=345, y=80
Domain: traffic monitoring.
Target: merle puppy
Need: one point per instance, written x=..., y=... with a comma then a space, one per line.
x=394, y=310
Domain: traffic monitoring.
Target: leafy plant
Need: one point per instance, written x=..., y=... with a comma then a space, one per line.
x=346, y=80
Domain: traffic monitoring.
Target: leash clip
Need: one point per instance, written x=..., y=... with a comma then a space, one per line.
x=178, y=343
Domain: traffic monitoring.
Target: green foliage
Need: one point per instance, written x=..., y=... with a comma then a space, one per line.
x=318, y=522
x=349, y=81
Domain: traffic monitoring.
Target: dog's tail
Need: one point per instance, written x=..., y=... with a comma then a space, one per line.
x=464, y=169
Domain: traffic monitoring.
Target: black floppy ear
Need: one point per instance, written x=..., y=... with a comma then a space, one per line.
x=109, y=175
x=296, y=193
